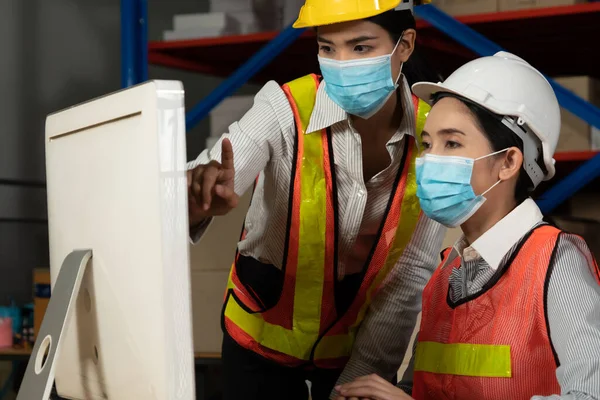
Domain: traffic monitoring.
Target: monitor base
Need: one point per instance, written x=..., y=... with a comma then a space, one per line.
x=39, y=375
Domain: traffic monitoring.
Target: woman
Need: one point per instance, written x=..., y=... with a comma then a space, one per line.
x=334, y=217
x=513, y=311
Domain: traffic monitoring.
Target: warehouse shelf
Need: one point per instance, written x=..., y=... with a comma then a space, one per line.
x=556, y=40
x=574, y=156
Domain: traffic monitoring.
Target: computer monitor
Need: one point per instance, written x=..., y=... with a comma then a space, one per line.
x=116, y=185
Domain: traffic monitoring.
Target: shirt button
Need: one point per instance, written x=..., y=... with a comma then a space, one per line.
x=361, y=193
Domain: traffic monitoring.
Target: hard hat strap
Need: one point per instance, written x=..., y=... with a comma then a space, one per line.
x=532, y=148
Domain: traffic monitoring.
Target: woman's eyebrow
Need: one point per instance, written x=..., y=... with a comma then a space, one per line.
x=450, y=131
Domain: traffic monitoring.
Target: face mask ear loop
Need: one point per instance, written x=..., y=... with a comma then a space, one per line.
x=401, y=65
x=493, y=186
x=492, y=154
x=499, y=180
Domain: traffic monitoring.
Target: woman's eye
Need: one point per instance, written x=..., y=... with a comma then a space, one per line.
x=362, y=48
x=452, y=145
x=325, y=49
x=426, y=145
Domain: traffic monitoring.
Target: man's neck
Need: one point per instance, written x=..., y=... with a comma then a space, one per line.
x=381, y=126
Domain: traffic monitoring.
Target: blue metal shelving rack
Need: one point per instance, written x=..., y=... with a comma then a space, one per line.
x=134, y=56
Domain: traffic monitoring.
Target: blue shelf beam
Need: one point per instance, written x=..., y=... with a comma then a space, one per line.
x=257, y=62
x=479, y=44
x=134, y=42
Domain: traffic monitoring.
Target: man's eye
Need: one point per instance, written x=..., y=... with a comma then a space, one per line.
x=325, y=49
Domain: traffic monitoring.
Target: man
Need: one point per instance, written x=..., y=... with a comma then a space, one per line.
x=334, y=228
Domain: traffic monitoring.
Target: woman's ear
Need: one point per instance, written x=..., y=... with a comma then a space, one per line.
x=407, y=45
x=511, y=165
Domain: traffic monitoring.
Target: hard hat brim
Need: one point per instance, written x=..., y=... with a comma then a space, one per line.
x=426, y=90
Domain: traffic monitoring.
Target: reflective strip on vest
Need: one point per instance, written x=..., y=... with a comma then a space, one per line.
x=309, y=265
x=463, y=359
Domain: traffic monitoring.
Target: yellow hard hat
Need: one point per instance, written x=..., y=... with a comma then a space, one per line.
x=326, y=12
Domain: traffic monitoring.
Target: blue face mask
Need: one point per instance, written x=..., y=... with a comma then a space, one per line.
x=444, y=188
x=360, y=87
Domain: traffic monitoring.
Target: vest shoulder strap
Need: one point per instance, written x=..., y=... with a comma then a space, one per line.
x=421, y=112
x=302, y=94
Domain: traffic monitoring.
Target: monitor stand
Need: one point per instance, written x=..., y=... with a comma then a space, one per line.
x=39, y=376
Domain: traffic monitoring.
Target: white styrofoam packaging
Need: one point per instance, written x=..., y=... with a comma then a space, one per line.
x=230, y=5
x=230, y=110
x=198, y=33
x=202, y=25
x=212, y=20
x=116, y=184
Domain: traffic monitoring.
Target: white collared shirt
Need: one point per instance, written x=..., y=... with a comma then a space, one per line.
x=510, y=229
x=263, y=140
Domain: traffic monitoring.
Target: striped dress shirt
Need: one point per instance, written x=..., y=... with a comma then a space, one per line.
x=573, y=296
x=263, y=141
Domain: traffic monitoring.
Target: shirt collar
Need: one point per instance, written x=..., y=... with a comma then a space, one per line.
x=493, y=245
x=327, y=113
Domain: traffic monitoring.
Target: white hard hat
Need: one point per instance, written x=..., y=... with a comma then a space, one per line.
x=508, y=86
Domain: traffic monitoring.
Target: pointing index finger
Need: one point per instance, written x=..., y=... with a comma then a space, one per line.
x=226, y=154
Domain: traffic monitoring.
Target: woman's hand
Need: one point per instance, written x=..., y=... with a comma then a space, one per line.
x=372, y=387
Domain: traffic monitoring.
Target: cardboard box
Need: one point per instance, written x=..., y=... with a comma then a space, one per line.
x=210, y=263
x=466, y=7
x=584, y=219
x=41, y=296
x=208, y=290
x=576, y=134
x=588, y=229
x=507, y=5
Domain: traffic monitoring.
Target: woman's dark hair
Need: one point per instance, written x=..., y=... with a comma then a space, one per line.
x=500, y=137
x=416, y=69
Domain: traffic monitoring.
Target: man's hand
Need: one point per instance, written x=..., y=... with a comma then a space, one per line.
x=210, y=187
x=372, y=387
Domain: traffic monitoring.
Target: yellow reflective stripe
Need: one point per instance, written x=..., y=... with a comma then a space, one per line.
x=295, y=343
x=310, y=275
x=411, y=208
x=422, y=114
x=492, y=361
x=304, y=91
x=335, y=346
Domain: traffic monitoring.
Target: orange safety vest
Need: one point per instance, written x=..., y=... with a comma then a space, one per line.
x=495, y=344
x=303, y=328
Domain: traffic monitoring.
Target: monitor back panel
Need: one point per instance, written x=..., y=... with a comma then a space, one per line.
x=116, y=185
